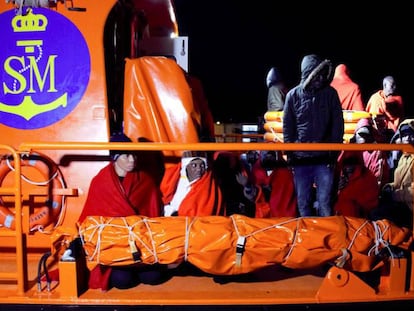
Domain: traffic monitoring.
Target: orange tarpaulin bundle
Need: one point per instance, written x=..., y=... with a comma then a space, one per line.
x=158, y=103
x=239, y=244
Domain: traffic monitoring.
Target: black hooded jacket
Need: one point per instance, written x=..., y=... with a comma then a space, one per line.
x=313, y=113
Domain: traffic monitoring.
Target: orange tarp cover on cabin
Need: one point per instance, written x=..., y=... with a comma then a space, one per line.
x=211, y=242
x=158, y=103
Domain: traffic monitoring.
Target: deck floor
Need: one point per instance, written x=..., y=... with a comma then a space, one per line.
x=273, y=288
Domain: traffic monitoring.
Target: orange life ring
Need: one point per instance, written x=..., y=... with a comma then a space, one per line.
x=273, y=137
x=349, y=128
x=353, y=116
x=273, y=126
x=49, y=213
x=274, y=116
x=278, y=137
x=347, y=137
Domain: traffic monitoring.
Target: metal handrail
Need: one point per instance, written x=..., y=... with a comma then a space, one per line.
x=20, y=274
x=209, y=146
x=214, y=146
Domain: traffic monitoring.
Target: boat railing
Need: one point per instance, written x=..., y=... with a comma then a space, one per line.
x=238, y=138
x=20, y=274
x=209, y=146
x=27, y=147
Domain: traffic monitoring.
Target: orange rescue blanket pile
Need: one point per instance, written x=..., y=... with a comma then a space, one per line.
x=238, y=244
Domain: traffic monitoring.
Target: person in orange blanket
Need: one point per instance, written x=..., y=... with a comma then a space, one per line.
x=358, y=189
x=189, y=188
x=387, y=103
x=274, y=177
x=120, y=190
x=349, y=92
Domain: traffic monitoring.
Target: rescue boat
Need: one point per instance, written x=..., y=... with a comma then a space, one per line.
x=76, y=71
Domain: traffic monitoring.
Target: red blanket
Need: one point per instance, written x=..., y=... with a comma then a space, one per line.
x=136, y=195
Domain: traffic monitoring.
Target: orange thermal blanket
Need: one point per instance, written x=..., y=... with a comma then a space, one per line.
x=239, y=244
x=158, y=103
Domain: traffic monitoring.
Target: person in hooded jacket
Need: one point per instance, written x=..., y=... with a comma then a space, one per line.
x=313, y=114
x=349, y=92
x=276, y=90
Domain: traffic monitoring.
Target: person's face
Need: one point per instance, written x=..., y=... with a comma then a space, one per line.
x=406, y=138
x=381, y=123
x=126, y=163
x=317, y=82
x=363, y=137
x=251, y=157
x=195, y=169
x=269, y=160
x=348, y=170
x=389, y=87
x=359, y=139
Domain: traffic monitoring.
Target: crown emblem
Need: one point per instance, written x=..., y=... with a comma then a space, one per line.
x=29, y=22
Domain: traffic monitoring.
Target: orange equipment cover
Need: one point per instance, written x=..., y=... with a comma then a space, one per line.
x=238, y=244
x=158, y=103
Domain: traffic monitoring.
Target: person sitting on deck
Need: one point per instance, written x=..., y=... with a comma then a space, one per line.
x=120, y=190
x=240, y=195
x=272, y=174
x=358, y=188
x=349, y=92
x=189, y=189
x=396, y=199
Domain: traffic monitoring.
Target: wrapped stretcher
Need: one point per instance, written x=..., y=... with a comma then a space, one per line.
x=238, y=244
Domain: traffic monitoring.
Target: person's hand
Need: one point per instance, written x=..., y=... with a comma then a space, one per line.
x=386, y=192
x=242, y=179
x=343, y=182
x=387, y=188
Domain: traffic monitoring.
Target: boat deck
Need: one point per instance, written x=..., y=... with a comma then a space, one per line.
x=272, y=288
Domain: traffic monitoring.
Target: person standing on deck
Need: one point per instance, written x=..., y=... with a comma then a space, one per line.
x=348, y=91
x=313, y=114
x=388, y=104
x=276, y=90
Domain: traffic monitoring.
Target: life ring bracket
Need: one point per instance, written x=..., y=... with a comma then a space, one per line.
x=54, y=207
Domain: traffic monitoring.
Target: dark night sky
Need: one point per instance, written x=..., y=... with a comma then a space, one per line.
x=232, y=45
